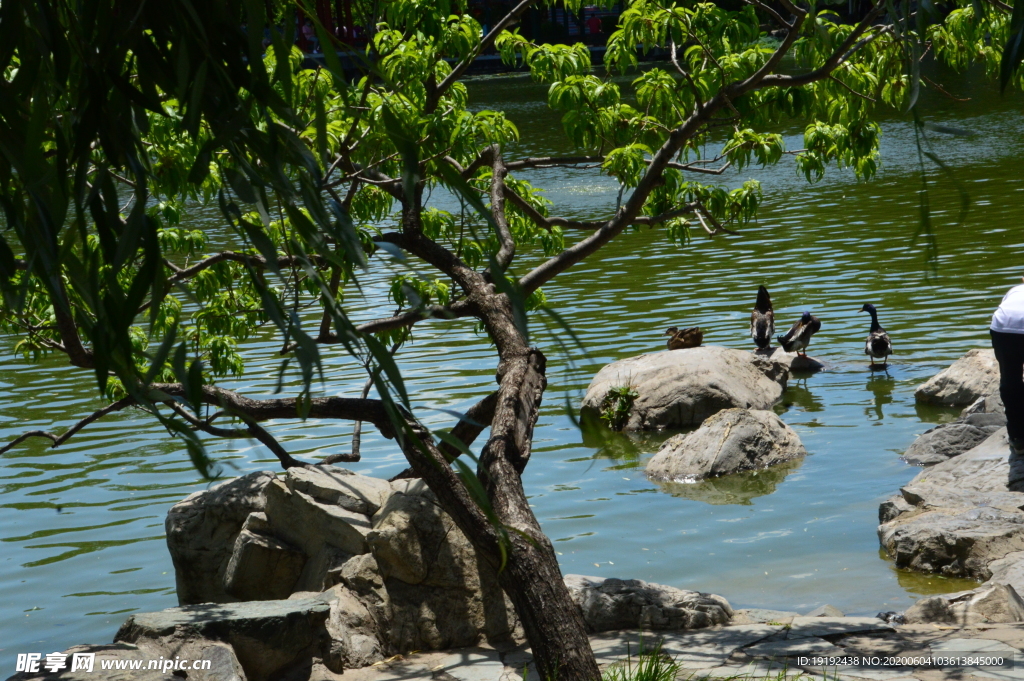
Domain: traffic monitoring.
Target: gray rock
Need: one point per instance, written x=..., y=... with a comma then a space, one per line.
x=826, y=611
x=262, y=567
x=788, y=648
x=610, y=604
x=356, y=638
x=762, y=616
x=974, y=375
x=958, y=516
x=991, y=404
x=310, y=525
x=680, y=388
x=825, y=625
x=987, y=603
x=201, y=532
x=790, y=360
x=1008, y=570
x=948, y=440
x=267, y=637
x=731, y=441
x=337, y=486
x=440, y=594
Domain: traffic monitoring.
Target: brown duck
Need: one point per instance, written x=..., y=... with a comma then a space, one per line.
x=687, y=338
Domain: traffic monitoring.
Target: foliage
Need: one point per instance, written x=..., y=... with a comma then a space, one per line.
x=617, y=405
x=651, y=664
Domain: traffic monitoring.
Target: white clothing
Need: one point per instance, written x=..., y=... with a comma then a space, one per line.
x=1009, y=316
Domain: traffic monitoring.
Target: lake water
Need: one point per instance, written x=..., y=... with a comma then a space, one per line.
x=81, y=527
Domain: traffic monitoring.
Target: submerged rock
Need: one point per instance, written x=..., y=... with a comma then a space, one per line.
x=681, y=388
x=974, y=375
x=731, y=441
x=738, y=488
x=611, y=604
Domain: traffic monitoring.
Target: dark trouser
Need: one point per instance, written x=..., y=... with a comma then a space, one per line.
x=1009, y=349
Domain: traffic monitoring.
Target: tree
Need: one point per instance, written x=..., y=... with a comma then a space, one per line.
x=116, y=118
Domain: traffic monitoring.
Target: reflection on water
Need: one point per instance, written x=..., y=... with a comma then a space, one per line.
x=739, y=488
x=788, y=539
x=881, y=386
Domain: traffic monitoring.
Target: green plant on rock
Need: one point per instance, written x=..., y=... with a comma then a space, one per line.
x=617, y=405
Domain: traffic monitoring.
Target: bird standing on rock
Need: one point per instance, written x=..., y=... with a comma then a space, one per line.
x=878, y=344
x=762, y=319
x=799, y=335
x=687, y=338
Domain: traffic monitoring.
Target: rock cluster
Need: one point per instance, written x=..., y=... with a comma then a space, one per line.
x=681, y=388
x=731, y=441
x=405, y=576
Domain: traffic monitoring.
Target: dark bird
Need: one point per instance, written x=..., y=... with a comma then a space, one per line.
x=762, y=319
x=799, y=335
x=687, y=338
x=878, y=344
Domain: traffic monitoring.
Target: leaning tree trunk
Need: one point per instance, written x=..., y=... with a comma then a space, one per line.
x=531, y=576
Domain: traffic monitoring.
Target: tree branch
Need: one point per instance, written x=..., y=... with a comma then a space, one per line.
x=488, y=40
x=507, y=249
x=58, y=440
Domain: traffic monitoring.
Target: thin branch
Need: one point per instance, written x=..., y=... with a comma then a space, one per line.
x=686, y=74
x=488, y=40
x=476, y=419
x=851, y=90
x=507, y=249
x=58, y=440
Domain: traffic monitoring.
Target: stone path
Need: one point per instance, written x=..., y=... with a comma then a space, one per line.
x=768, y=648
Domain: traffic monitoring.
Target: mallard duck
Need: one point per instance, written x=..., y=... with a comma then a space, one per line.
x=687, y=338
x=762, y=319
x=878, y=343
x=799, y=335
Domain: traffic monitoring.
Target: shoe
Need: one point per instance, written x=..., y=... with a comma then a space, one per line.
x=1017, y=447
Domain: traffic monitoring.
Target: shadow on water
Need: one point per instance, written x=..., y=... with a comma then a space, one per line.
x=740, y=488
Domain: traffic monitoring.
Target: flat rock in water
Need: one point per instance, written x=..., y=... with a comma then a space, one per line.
x=791, y=360
x=679, y=388
x=974, y=375
x=611, y=604
x=731, y=441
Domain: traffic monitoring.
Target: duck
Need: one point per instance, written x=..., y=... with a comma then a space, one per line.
x=799, y=335
x=687, y=338
x=762, y=319
x=878, y=345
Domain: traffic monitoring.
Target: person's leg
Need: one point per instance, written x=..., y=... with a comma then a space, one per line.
x=1009, y=349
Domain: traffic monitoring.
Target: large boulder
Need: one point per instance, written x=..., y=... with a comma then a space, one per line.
x=201, y=532
x=958, y=516
x=953, y=439
x=974, y=375
x=731, y=441
x=680, y=388
x=612, y=604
